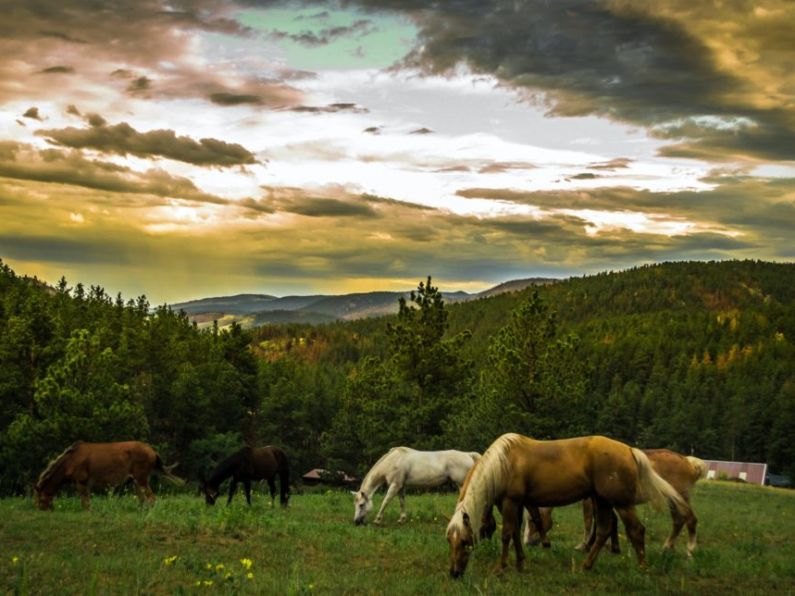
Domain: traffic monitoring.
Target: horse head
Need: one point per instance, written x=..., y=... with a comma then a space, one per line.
x=461, y=539
x=361, y=506
x=43, y=500
x=210, y=493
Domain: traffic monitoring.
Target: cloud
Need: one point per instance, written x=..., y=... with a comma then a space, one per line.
x=647, y=63
x=54, y=166
x=326, y=36
x=123, y=139
x=58, y=70
x=32, y=113
x=331, y=108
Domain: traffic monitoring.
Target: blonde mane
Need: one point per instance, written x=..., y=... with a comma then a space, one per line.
x=699, y=466
x=54, y=465
x=487, y=477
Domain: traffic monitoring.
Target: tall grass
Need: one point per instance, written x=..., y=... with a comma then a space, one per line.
x=179, y=545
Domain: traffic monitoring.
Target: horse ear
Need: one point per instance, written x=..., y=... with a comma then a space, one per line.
x=354, y=493
x=466, y=520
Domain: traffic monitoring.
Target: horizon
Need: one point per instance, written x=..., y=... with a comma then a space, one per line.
x=346, y=147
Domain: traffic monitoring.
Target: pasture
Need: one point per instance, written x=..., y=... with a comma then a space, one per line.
x=180, y=545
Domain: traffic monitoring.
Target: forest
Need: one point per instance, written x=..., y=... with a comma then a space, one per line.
x=694, y=356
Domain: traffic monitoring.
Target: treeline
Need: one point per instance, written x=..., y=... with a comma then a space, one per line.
x=697, y=357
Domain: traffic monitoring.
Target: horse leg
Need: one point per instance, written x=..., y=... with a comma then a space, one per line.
x=615, y=546
x=85, y=494
x=272, y=487
x=679, y=519
x=511, y=526
x=394, y=489
x=588, y=523
x=542, y=521
x=635, y=532
x=692, y=522
x=489, y=524
x=402, y=497
x=247, y=489
x=232, y=489
x=603, y=520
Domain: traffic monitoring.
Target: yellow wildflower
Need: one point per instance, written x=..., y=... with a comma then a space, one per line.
x=198, y=583
x=15, y=559
x=208, y=582
x=170, y=560
x=247, y=563
x=249, y=575
x=219, y=567
x=209, y=566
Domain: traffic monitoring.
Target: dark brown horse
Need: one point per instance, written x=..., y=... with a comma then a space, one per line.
x=101, y=465
x=247, y=464
x=680, y=471
x=517, y=472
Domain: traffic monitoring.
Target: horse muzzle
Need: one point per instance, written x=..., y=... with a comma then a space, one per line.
x=359, y=522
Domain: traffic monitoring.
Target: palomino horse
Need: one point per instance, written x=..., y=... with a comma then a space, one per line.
x=247, y=464
x=102, y=465
x=682, y=472
x=518, y=472
x=401, y=467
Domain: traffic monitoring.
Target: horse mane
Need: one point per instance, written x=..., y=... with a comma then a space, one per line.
x=226, y=467
x=487, y=477
x=55, y=466
x=699, y=466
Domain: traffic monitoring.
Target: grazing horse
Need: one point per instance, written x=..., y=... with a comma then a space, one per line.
x=680, y=471
x=91, y=465
x=518, y=472
x=247, y=464
x=401, y=467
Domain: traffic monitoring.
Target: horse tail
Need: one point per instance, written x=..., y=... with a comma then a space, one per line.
x=485, y=480
x=699, y=467
x=54, y=466
x=655, y=488
x=284, y=474
x=165, y=471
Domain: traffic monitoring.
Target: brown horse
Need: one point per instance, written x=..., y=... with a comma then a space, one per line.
x=680, y=471
x=247, y=464
x=100, y=465
x=518, y=472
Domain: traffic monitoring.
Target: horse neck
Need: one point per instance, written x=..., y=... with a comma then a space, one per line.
x=486, y=479
x=225, y=469
x=377, y=475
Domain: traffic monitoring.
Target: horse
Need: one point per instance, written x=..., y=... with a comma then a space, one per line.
x=247, y=464
x=401, y=467
x=91, y=465
x=681, y=471
x=517, y=472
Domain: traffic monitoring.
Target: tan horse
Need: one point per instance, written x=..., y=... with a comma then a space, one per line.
x=517, y=472
x=680, y=471
x=99, y=465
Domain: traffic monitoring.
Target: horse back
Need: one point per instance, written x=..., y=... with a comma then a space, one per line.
x=564, y=471
x=264, y=462
x=111, y=463
x=674, y=468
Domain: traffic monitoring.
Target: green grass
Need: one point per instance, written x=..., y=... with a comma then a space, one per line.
x=746, y=545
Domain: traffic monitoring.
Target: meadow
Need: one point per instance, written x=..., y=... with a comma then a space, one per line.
x=179, y=545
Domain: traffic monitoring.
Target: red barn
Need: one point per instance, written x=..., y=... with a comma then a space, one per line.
x=736, y=470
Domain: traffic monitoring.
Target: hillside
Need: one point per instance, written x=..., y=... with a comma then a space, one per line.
x=251, y=310
x=697, y=357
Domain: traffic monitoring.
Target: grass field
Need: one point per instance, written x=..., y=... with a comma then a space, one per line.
x=179, y=545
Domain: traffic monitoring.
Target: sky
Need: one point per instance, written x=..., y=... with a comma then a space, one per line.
x=191, y=148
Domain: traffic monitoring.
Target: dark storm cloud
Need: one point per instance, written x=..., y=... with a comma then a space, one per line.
x=331, y=202
x=32, y=113
x=123, y=139
x=58, y=70
x=234, y=99
x=57, y=250
x=647, y=63
x=23, y=162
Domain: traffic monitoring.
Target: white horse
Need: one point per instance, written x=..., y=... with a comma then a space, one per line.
x=401, y=467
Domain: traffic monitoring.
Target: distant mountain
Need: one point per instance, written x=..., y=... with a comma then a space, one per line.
x=251, y=310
